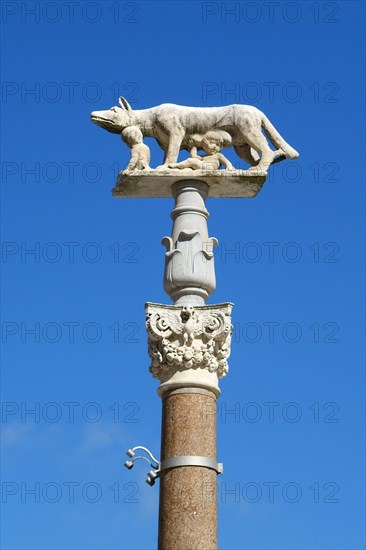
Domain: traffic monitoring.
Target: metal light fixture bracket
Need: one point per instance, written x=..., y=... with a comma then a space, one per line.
x=169, y=463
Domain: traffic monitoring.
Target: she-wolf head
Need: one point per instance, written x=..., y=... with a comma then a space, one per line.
x=115, y=119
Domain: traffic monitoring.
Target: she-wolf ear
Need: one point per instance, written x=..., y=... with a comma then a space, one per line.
x=124, y=104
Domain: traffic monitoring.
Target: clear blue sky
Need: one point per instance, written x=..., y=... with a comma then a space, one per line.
x=293, y=450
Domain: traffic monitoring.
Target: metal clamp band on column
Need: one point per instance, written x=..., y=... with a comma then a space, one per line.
x=203, y=461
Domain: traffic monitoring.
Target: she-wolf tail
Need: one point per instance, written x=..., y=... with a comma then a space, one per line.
x=278, y=140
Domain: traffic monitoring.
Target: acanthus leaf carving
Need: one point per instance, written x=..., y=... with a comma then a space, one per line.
x=189, y=260
x=188, y=337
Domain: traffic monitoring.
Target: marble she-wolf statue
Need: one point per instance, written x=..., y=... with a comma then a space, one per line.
x=173, y=125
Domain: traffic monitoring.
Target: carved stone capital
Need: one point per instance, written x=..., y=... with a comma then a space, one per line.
x=189, y=345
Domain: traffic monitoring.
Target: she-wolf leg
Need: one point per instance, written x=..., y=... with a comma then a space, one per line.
x=247, y=153
x=173, y=149
x=259, y=143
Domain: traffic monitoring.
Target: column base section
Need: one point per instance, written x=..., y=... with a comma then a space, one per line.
x=191, y=378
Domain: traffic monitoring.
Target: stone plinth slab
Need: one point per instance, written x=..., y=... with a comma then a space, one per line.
x=158, y=184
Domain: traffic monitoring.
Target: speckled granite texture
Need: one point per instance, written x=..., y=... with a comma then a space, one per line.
x=188, y=495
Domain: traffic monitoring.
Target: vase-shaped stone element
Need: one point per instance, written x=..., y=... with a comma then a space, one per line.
x=189, y=345
x=189, y=260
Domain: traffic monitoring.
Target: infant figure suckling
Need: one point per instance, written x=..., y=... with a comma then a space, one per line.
x=140, y=153
x=212, y=143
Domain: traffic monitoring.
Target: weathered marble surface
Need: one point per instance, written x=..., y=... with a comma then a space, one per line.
x=177, y=127
x=140, y=153
x=189, y=345
x=158, y=183
x=189, y=274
